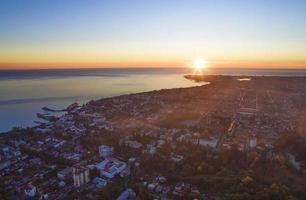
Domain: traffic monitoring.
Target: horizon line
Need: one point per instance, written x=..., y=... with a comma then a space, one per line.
x=151, y=67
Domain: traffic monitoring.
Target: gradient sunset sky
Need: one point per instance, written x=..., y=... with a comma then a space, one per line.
x=152, y=33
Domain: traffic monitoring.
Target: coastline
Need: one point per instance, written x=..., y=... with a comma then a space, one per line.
x=208, y=79
x=24, y=95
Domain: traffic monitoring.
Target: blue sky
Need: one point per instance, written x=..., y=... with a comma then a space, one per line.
x=168, y=31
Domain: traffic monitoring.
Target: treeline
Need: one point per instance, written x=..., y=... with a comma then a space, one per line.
x=294, y=143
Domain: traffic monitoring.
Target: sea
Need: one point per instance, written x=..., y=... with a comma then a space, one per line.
x=23, y=93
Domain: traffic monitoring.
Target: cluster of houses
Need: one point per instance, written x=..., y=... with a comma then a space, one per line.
x=160, y=188
x=55, y=147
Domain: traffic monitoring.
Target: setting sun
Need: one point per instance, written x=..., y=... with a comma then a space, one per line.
x=199, y=65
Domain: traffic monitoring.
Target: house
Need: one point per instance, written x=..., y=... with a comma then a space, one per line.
x=4, y=164
x=161, y=179
x=125, y=172
x=158, y=189
x=151, y=149
x=247, y=111
x=127, y=194
x=110, y=167
x=179, y=188
x=61, y=184
x=177, y=158
x=133, y=144
x=210, y=143
x=105, y=151
x=65, y=173
x=30, y=191
x=166, y=189
x=44, y=197
x=59, y=144
x=194, y=190
x=160, y=143
x=152, y=186
x=100, y=182
x=131, y=160
x=292, y=161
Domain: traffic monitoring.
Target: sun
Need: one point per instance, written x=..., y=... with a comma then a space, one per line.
x=199, y=64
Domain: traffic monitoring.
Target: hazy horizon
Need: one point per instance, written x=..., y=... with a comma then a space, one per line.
x=146, y=67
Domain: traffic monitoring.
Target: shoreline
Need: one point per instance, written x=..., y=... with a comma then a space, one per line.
x=205, y=79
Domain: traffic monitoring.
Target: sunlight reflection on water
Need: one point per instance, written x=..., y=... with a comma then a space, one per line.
x=21, y=99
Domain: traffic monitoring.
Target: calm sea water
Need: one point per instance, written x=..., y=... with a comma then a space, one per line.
x=24, y=93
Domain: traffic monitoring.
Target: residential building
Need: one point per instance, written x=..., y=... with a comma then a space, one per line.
x=253, y=142
x=177, y=158
x=65, y=173
x=80, y=175
x=30, y=191
x=100, y=182
x=127, y=194
x=105, y=151
x=133, y=144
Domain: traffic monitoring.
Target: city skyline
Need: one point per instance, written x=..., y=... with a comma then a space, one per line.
x=77, y=34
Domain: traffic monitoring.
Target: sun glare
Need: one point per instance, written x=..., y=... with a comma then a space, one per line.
x=199, y=65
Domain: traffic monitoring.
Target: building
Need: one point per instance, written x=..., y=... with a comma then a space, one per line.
x=80, y=175
x=179, y=188
x=110, y=167
x=247, y=111
x=133, y=144
x=100, y=182
x=252, y=142
x=209, y=143
x=127, y=194
x=4, y=164
x=30, y=191
x=151, y=150
x=105, y=151
x=64, y=174
x=176, y=158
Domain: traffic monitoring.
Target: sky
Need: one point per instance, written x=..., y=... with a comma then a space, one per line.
x=152, y=33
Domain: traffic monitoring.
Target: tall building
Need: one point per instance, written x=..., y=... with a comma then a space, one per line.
x=252, y=141
x=80, y=175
